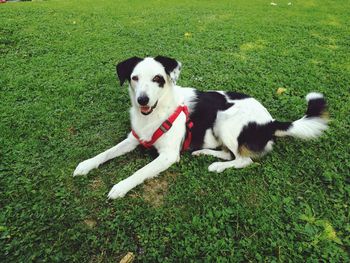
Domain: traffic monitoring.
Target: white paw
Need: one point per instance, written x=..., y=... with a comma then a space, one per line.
x=217, y=167
x=196, y=153
x=119, y=190
x=85, y=167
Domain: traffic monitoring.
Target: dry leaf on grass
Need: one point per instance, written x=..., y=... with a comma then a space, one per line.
x=279, y=91
x=128, y=258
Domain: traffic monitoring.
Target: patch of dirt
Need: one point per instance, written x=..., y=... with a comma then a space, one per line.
x=72, y=130
x=253, y=195
x=155, y=190
x=96, y=183
x=91, y=223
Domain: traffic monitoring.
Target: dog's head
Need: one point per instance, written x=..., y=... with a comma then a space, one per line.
x=149, y=79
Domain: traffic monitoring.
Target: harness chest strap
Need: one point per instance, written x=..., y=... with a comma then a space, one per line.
x=166, y=125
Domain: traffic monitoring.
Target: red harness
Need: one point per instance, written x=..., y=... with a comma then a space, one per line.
x=166, y=126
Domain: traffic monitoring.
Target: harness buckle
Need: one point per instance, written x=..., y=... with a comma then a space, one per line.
x=163, y=128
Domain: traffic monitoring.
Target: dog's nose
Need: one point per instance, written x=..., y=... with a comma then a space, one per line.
x=143, y=100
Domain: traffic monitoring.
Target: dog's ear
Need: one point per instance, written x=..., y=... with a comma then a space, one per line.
x=172, y=67
x=125, y=68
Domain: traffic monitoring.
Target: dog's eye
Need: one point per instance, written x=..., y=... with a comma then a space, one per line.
x=160, y=80
x=135, y=78
x=157, y=78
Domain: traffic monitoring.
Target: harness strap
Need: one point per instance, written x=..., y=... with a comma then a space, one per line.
x=189, y=125
x=166, y=126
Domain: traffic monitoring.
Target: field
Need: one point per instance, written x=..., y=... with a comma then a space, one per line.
x=61, y=103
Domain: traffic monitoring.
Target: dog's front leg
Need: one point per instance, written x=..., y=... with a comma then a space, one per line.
x=158, y=165
x=129, y=144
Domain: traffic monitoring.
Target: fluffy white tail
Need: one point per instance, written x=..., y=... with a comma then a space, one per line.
x=311, y=125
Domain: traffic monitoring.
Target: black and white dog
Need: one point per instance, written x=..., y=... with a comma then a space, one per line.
x=228, y=125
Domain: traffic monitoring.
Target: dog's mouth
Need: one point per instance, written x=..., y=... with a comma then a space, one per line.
x=145, y=110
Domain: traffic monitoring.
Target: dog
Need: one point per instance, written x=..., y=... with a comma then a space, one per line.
x=228, y=125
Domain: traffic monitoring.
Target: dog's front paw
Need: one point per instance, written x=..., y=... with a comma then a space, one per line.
x=119, y=190
x=84, y=167
x=217, y=167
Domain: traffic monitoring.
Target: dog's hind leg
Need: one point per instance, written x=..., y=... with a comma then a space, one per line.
x=129, y=144
x=219, y=154
x=239, y=162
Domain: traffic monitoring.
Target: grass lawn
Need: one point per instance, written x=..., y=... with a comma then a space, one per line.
x=61, y=104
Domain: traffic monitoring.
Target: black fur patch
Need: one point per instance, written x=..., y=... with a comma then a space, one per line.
x=204, y=115
x=281, y=125
x=316, y=107
x=236, y=95
x=254, y=137
x=160, y=80
x=169, y=64
x=125, y=68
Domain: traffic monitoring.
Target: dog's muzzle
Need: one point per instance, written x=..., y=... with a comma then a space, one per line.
x=146, y=110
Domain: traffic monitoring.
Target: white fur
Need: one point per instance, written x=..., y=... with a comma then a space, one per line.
x=219, y=154
x=313, y=96
x=210, y=142
x=129, y=144
x=230, y=123
x=237, y=163
x=305, y=128
x=168, y=145
x=227, y=127
x=174, y=75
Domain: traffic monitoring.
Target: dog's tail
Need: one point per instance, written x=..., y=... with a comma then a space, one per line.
x=311, y=125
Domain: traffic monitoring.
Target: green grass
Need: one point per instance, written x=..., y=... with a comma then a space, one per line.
x=61, y=104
